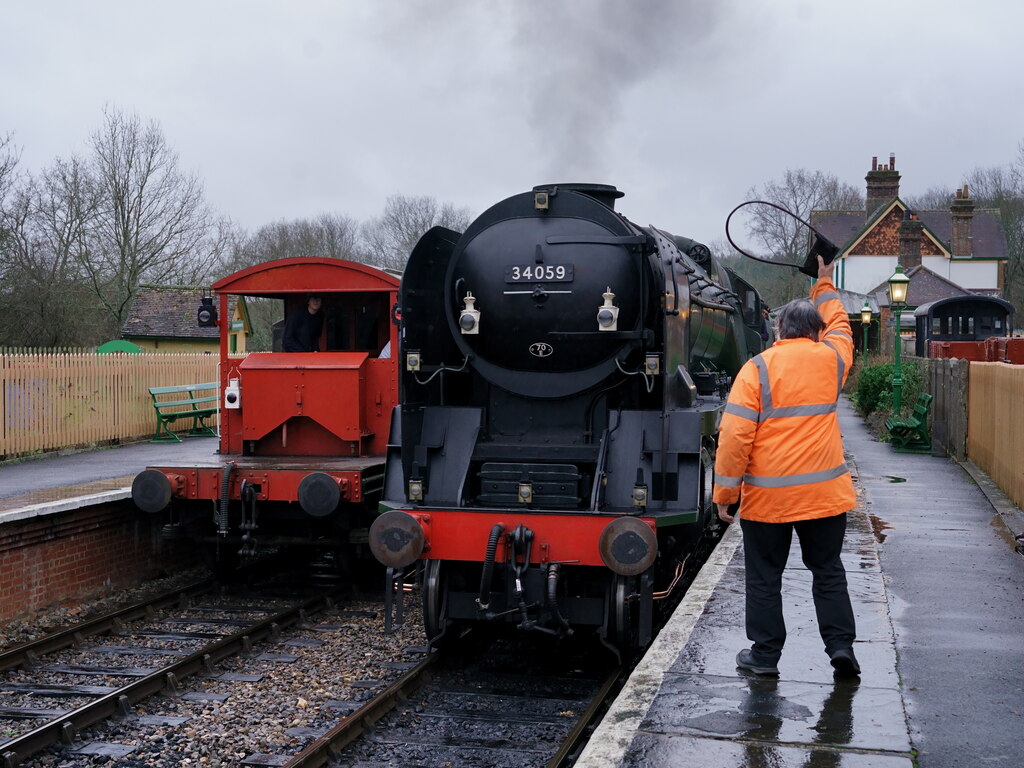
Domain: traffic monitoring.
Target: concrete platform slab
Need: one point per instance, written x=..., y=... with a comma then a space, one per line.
x=938, y=594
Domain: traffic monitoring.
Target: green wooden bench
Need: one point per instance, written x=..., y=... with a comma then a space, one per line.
x=910, y=435
x=170, y=405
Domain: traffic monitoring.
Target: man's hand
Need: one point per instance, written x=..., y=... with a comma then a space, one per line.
x=723, y=509
x=825, y=270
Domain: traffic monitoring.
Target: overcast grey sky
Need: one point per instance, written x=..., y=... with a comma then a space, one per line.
x=289, y=110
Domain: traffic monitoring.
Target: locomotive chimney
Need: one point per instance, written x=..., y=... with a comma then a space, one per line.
x=883, y=184
x=962, y=241
x=603, y=193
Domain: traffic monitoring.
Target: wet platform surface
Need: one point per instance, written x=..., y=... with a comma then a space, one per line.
x=938, y=593
x=64, y=481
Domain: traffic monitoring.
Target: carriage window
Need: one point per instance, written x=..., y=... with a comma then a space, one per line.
x=985, y=324
x=936, y=326
x=998, y=324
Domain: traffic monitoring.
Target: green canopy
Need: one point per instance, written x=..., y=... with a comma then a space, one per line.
x=119, y=345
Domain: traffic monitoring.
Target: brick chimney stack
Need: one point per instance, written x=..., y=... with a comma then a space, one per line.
x=883, y=184
x=962, y=242
x=910, y=241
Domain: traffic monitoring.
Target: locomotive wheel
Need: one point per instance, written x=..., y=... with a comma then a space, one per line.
x=625, y=614
x=441, y=631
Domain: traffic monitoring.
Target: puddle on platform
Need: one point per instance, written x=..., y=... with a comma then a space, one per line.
x=1017, y=545
x=878, y=527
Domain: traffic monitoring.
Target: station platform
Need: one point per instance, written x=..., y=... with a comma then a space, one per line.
x=938, y=593
x=61, y=481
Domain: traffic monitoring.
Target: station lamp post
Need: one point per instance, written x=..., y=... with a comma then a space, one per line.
x=898, y=285
x=865, y=321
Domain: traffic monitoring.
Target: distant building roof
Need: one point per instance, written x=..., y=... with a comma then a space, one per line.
x=842, y=227
x=853, y=302
x=169, y=312
x=925, y=286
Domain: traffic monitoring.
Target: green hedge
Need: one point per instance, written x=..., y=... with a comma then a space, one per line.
x=874, y=387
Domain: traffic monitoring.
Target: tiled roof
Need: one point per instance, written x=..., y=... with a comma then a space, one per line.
x=986, y=231
x=842, y=227
x=853, y=302
x=169, y=312
x=925, y=286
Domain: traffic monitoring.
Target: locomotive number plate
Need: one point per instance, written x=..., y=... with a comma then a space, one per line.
x=538, y=273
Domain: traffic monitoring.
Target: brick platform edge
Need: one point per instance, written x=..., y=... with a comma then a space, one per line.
x=79, y=554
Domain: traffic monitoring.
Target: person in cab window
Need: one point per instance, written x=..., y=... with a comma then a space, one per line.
x=303, y=326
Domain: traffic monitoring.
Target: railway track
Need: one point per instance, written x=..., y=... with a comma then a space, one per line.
x=254, y=678
x=484, y=707
x=163, y=649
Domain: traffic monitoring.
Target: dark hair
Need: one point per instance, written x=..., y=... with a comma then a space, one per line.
x=799, y=319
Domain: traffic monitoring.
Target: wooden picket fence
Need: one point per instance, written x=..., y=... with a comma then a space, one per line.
x=56, y=400
x=995, y=424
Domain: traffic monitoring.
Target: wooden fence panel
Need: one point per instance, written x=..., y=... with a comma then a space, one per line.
x=55, y=400
x=948, y=384
x=996, y=426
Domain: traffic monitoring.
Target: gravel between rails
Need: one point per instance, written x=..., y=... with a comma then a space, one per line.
x=229, y=720
x=279, y=714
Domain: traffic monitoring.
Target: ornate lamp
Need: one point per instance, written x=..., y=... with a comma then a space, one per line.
x=898, y=285
x=865, y=321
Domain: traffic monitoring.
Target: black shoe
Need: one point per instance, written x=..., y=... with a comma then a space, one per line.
x=845, y=663
x=745, y=661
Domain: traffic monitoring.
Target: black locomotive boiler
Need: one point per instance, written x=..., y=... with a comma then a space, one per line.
x=563, y=371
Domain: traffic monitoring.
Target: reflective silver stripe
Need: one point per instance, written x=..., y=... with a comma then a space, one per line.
x=743, y=412
x=827, y=296
x=787, y=481
x=799, y=410
x=840, y=333
x=841, y=371
x=768, y=412
x=840, y=367
x=727, y=482
x=766, y=389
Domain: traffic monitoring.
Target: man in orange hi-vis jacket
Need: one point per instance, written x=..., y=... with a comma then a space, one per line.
x=780, y=454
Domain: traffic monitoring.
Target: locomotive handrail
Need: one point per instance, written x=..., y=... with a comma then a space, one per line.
x=595, y=240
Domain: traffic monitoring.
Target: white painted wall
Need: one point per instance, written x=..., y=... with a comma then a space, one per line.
x=862, y=273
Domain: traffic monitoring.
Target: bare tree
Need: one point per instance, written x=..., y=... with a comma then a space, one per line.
x=328, y=236
x=1002, y=188
x=151, y=217
x=935, y=199
x=390, y=238
x=8, y=165
x=783, y=237
x=799, y=192
x=46, y=303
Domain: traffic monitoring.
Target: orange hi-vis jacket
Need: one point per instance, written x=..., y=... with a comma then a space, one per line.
x=780, y=451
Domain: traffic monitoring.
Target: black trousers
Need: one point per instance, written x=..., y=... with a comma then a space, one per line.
x=766, y=550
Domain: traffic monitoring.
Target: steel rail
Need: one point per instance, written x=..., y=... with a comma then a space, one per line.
x=119, y=702
x=583, y=723
x=363, y=719
x=28, y=653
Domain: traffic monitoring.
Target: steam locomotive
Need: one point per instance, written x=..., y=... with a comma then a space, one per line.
x=302, y=434
x=562, y=375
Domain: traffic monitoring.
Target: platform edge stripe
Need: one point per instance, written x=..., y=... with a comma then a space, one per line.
x=64, y=505
x=608, y=745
